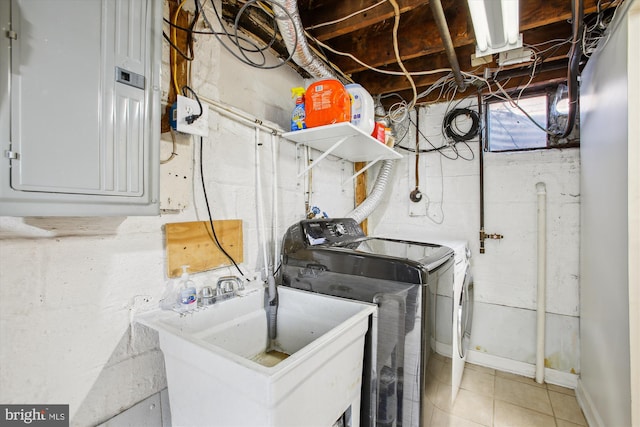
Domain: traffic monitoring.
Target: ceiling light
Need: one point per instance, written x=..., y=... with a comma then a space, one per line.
x=496, y=25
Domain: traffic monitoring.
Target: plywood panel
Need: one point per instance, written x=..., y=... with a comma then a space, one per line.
x=192, y=244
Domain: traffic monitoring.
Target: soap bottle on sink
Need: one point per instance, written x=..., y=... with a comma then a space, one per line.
x=188, y=296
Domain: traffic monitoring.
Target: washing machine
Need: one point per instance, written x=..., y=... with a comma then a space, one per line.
x=334, y=257
x=452, y=313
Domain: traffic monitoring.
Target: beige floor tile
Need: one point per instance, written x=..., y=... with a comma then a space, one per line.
x=468, y=405
x=563, y=390
x=522, y=394
x=444, y=374
x=431, y=389
x=444, y=419
x=437, y=356
x=508, y=415
x=483, y=369
x=443, y=397
x=566, y=408
x=563, y=423
x=427, y=412
x=520, y=378
x=478, y=382
x=435, y=366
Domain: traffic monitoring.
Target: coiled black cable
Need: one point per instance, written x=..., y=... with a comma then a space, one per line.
x=450, y=130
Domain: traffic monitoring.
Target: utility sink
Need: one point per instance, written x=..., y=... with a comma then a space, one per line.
x=221, y=372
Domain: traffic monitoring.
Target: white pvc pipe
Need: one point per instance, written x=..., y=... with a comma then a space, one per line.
x=274, y=195
x=542, y=279
x=272, y=304
x=260, y=205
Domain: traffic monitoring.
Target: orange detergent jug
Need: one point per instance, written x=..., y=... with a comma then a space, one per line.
x=327, y=102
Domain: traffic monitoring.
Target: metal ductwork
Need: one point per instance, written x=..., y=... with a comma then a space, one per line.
x=292, y=31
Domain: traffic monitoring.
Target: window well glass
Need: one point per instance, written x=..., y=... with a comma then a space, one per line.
x=510, y=129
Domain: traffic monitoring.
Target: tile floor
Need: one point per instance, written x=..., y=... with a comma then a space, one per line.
x=497, y=399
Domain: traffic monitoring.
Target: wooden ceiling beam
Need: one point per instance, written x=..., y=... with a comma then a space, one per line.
x=329, y=13
x=420, y=37
x=376, y=83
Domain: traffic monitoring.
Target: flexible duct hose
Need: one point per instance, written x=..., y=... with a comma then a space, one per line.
x=292, y=31
x=375, y=197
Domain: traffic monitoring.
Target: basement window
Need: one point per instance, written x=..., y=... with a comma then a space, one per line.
x=531, y=124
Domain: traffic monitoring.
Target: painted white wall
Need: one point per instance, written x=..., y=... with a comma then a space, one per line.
x=504, y=323
x=70, y=286
x=608, y=251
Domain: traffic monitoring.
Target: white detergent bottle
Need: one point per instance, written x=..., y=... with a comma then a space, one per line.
x=362, y=108
x=188, y=296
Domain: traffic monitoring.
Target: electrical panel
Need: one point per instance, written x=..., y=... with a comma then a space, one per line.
x=80, y=116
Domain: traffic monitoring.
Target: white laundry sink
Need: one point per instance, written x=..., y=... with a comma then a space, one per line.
x=220, y=374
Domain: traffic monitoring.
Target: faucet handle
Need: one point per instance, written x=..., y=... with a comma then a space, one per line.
x=228, y=285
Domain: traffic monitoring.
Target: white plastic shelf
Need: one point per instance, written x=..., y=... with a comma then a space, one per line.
x=345, y=141
x=356, y=147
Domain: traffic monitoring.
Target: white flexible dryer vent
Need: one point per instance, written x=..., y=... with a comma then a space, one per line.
x=294, y=38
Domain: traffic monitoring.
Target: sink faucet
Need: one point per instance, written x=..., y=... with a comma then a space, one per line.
x=227, y=286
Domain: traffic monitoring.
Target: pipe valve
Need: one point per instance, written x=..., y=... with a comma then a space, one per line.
x=484, y=236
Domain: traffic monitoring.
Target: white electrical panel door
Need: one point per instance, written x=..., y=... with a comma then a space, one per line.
x=84, y=108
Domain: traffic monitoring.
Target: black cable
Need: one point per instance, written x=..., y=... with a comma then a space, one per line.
x=451, y=130
x=430, y=150
x=193, y=117
x=235, y=40
x=184, y=55
x=206, y=200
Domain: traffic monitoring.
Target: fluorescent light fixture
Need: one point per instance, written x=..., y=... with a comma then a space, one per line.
x=496, y=24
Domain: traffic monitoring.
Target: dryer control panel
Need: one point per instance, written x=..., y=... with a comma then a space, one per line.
x=331, y=232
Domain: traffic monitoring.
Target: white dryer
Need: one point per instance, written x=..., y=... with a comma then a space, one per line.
x=453, y=313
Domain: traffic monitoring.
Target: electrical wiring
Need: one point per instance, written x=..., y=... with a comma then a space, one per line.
x=431, y=150
x=236, y=40
x=450, y=129
x=242, y=45
x=206, y=200
x=174, y=38
x=176, y=48
x=396, y=49
x=441, y=203
x=344, y=18
x=193, y=117
x=369, y=67
x=173, y=149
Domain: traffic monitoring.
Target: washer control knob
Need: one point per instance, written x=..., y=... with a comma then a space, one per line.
x=340, y=229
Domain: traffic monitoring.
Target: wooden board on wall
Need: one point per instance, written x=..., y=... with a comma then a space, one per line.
x=361, y=191
x=192, y=244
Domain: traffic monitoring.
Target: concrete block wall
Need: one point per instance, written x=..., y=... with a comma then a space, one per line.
x=504, y=324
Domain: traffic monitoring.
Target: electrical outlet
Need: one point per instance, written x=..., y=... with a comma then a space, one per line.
x=186, y=108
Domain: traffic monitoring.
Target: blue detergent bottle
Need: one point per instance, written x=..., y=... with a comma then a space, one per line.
x=298, y=115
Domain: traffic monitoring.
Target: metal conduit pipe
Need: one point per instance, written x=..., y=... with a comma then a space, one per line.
x=574, y=66
x=445, y=35
x=292, y=31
